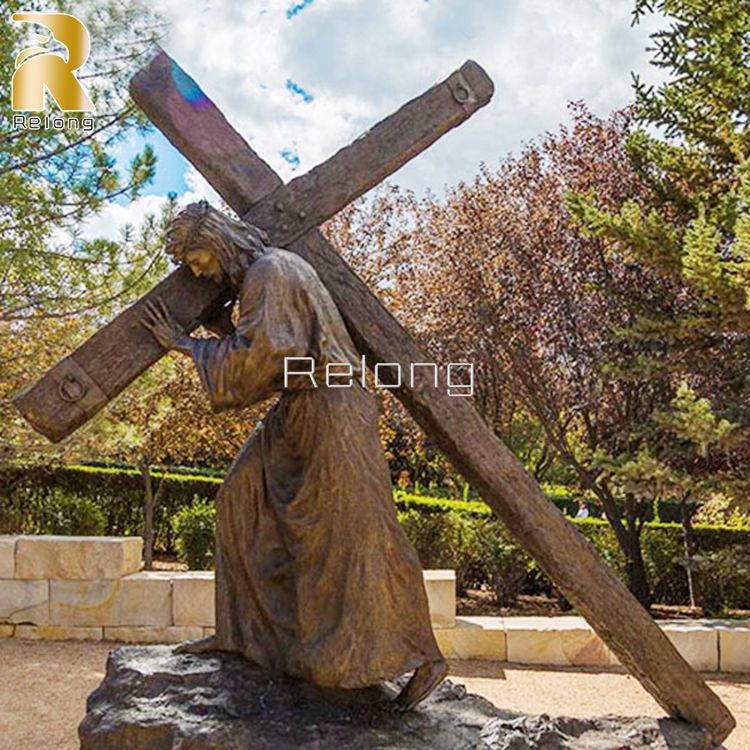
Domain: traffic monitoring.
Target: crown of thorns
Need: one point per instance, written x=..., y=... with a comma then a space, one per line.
x=178, y=246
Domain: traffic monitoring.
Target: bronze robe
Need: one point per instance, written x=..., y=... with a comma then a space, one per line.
x=315, y=578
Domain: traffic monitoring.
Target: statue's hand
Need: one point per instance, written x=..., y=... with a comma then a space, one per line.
x=162, y=325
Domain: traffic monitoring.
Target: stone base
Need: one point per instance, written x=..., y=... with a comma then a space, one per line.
x=154, y=699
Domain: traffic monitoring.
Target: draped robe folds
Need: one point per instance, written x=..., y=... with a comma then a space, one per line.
x=315, y=578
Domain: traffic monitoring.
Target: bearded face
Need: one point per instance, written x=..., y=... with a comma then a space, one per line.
x=212, y=244
x=203, y=262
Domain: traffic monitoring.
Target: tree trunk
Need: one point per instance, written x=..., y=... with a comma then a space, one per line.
x=635, y=568
x=628, y=534
x=148, y=517
x=690, y=546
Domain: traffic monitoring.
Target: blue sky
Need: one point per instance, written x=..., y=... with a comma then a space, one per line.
x=302, y=78
x=172, y=165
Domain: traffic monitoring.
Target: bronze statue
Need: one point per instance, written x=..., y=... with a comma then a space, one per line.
x=315, y=578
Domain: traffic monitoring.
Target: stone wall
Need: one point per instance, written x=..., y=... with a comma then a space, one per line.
x=92, y=588
x=707, y=645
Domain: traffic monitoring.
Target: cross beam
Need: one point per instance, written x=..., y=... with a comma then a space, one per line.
x=192, y=123
x=81, y=384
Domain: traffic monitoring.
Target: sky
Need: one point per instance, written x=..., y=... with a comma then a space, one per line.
x=302, y=78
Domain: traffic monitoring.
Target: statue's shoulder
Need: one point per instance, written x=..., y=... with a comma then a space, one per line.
x=275, y=262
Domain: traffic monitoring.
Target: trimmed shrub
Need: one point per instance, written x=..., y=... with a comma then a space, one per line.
x=445, y=540
x=722, y=578
x=483, y=553
x=447, y=533
x=504, y=564
x=72, y=516
x=68, y=515
x=194, y=531
x=118, y=493
x=435, y=505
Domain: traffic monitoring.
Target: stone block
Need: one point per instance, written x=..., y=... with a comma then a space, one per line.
x=7, y=557
x=208, y=632
x=193, y=599
x=77, y=558
x=474, y=638
x=58, y=633
x=441, y=597
x=697, y=642
x=6, y=631
x=24, y=601
x=153, y=698
x=145, y=599
x=152, y=635
x=563, y=641
x=140, y=599
x=83, y=603
x=734, y=647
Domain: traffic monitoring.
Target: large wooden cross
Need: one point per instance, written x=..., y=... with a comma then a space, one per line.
x=69, y=394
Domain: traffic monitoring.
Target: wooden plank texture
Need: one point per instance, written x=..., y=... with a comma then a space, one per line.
x=353, y=170
x=481, y=457
x=110, y=360
x=69, y=394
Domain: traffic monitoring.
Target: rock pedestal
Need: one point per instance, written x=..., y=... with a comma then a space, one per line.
x=154, y=699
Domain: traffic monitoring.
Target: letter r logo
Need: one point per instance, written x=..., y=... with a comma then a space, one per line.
x=37, y=67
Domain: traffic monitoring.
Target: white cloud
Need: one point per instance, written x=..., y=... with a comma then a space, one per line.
x=113, y=218
x=198, y=189
x=362, y=59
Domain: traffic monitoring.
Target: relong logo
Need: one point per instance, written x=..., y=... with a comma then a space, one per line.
x=37, y=68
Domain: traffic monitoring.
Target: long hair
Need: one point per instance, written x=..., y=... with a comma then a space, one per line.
x=235, y=243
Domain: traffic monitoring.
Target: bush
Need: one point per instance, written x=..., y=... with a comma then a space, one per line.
x=72, y=516
x=470, y=508
x=117, y=492
x=444, y=540
x=194, y=531
x=504, y=564
x=721, y=577
x=482, y=553
x=447, y=533
x=61, y=513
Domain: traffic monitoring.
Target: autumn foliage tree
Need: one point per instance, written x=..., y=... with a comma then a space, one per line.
x=499, y=274
x=163, y=420
x=600, y=281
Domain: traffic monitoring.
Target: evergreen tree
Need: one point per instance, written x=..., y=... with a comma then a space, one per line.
x=693, y=228
x=56, y=285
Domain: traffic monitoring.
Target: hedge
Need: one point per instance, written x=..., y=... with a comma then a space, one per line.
x=447, y=533
x=469, y=546
x=118, y=493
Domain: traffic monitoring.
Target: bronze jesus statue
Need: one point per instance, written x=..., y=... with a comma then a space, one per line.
x=315, y=578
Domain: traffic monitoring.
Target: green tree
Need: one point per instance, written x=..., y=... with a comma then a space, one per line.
x=55, y=285
x=691, y=226
x=53, y=180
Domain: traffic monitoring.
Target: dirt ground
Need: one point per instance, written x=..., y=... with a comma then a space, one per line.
x=43, y=690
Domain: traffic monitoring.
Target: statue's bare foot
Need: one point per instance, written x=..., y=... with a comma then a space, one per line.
x=201, y=646
x=424, y=680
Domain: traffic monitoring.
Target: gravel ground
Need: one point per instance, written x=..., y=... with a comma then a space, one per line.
x=44, y=685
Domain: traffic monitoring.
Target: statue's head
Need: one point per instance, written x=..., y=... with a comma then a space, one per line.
x=213, y=244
